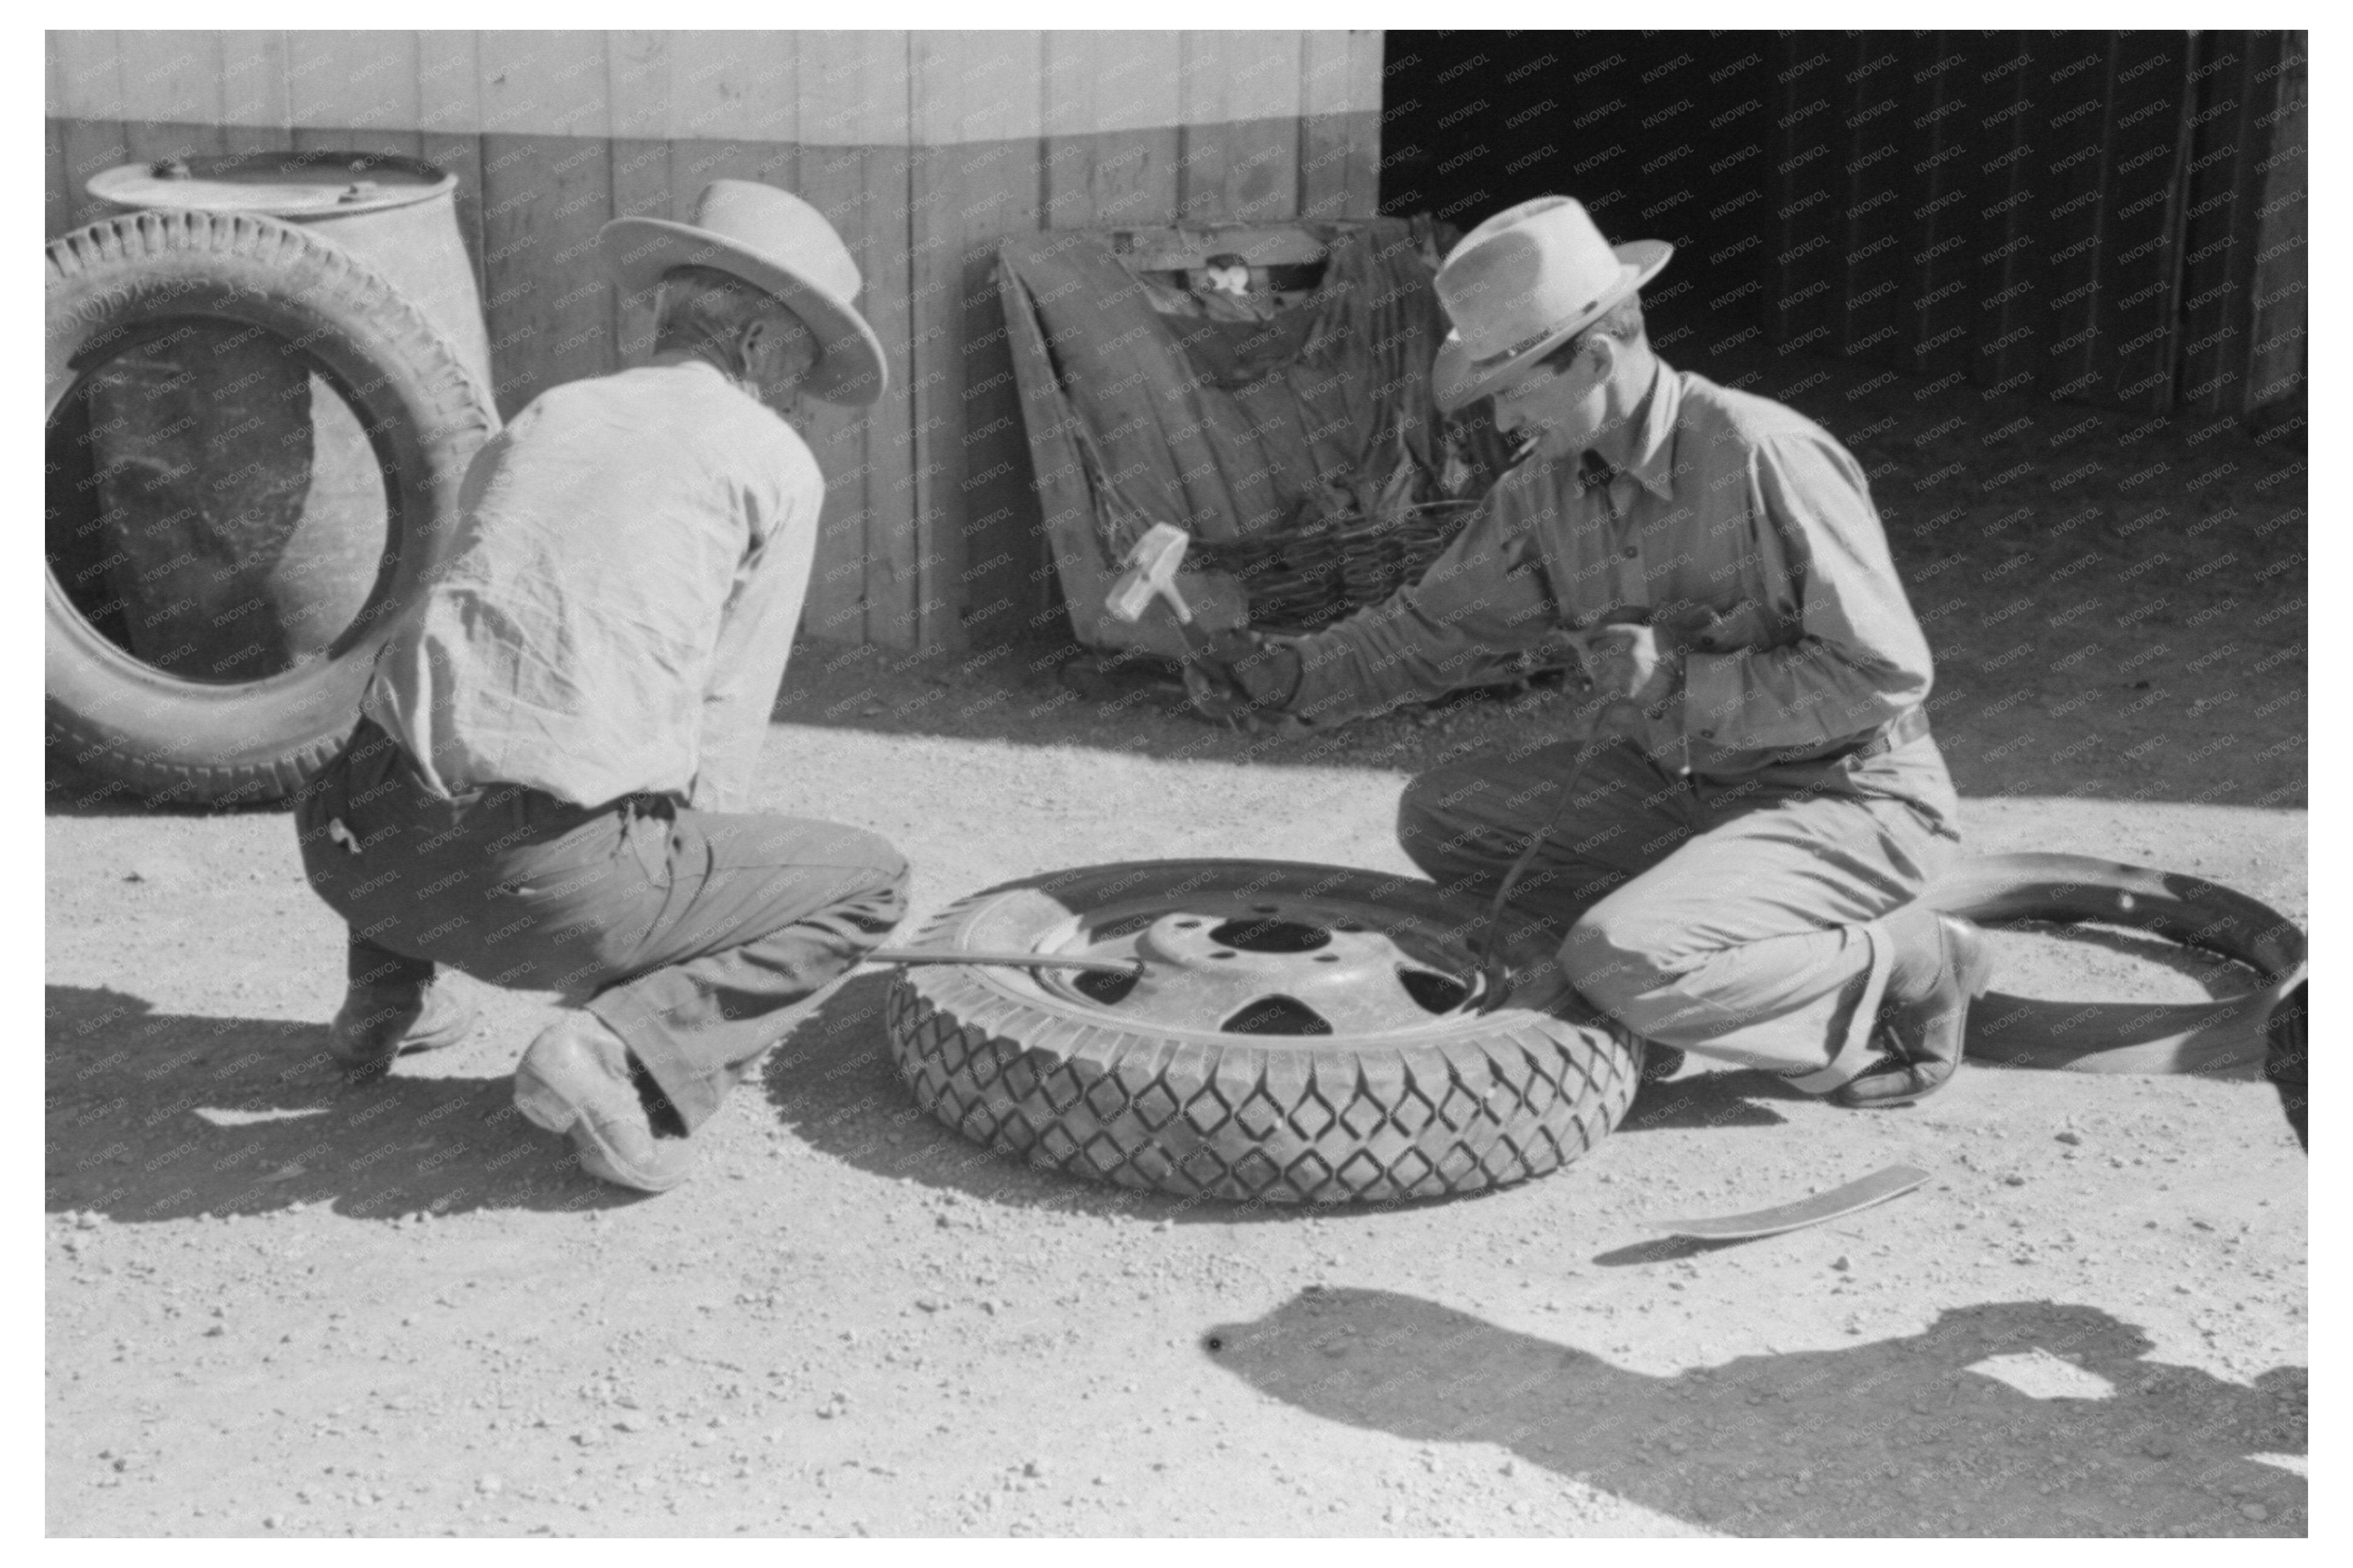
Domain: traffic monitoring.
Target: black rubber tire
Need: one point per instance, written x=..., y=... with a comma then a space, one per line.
x=2286, y=1034
x=1470, y=1102
x=423, y=410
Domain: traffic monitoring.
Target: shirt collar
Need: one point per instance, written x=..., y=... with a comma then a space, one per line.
x=1654, y=448
x=1654, y=443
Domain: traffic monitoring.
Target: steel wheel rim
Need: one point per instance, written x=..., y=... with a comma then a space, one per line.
x=1258, y=964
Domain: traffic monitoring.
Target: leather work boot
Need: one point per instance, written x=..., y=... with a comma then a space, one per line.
x=378, y=1022
x=579, y=1079
x=1926, y=1010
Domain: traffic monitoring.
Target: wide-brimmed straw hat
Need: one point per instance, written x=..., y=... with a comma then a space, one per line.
x=1523, y=283
x=778, y=243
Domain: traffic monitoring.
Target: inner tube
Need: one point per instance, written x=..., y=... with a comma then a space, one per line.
x=2214, y=1036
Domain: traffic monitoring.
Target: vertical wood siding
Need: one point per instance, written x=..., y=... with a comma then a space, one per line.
x=2085, y=214
x=2276, y=364
x=925, y=150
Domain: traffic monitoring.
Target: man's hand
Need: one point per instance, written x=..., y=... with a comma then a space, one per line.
x=1644, y=663
x=1698, y=629
x=1241, y=675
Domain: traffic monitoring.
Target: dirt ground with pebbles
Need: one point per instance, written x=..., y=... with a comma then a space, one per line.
x=279, y=1305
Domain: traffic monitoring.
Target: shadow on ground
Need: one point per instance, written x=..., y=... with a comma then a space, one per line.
x=157, y=1116
x=1893, y=1437
x=161, y=1116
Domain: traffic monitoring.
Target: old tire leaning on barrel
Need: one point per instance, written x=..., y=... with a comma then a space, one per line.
x=1316, y=1033
x=122, y=281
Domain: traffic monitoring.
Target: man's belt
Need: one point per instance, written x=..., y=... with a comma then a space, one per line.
x=369, y=737
x=1900, y=731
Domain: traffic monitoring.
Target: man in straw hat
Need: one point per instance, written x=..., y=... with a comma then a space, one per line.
x=550, y=786
x=1740, y=875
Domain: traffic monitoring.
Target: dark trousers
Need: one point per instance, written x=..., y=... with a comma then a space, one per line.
x=689, y=933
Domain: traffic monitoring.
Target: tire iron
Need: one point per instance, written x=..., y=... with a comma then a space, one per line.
x=1128, y=966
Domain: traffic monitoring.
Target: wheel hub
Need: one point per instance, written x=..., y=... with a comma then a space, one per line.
x=1285, y=966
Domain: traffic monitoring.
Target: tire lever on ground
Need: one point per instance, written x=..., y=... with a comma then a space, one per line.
x=1890, y=1181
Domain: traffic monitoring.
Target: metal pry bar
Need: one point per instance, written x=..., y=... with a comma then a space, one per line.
x=1127, y=966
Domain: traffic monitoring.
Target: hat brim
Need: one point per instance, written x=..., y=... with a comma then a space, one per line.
x=850, y=370
x=1458, y=381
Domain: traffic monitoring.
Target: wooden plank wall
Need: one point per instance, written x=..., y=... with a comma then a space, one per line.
x=2240, y=76
x=2076, y=213
x=977, y=104
x=2275, y=369
x=925, y=150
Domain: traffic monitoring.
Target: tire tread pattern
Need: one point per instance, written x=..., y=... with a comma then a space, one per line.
x=149, y=248
x=1455, y=1113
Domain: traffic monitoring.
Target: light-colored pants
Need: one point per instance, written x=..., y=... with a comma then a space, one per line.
x=1737, y=919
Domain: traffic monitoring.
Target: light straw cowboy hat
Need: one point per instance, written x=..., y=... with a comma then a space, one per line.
x=1522, y=284
x=778, y=243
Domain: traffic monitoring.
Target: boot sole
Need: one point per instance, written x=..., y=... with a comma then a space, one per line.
x=447, y=1035
x=549, y=1108
x=598, y=1159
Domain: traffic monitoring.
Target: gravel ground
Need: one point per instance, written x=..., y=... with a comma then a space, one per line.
x=277, y=1306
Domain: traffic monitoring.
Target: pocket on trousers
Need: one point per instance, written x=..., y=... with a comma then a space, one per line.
x=546, y=851
x=317, y=808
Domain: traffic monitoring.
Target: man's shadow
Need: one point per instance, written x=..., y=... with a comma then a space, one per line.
x=154, y=1116
x=1893, y=1437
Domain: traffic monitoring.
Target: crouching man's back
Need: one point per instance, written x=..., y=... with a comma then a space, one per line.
x=548, y=784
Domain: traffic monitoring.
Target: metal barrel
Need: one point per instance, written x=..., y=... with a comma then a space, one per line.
x=398, y=215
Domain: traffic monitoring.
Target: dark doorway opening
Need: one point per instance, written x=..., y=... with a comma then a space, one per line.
x=1661, y=135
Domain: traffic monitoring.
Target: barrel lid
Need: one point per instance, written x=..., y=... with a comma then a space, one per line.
x=276, y=184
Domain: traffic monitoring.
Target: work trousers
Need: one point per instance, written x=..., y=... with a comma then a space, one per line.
x=1735, y=918
x=691, y=934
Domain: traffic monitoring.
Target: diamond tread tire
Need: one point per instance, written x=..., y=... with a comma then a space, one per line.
x=1470, y=1102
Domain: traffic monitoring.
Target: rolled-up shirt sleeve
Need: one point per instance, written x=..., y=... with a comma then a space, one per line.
x=1860, y=658
x=1480, y=604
